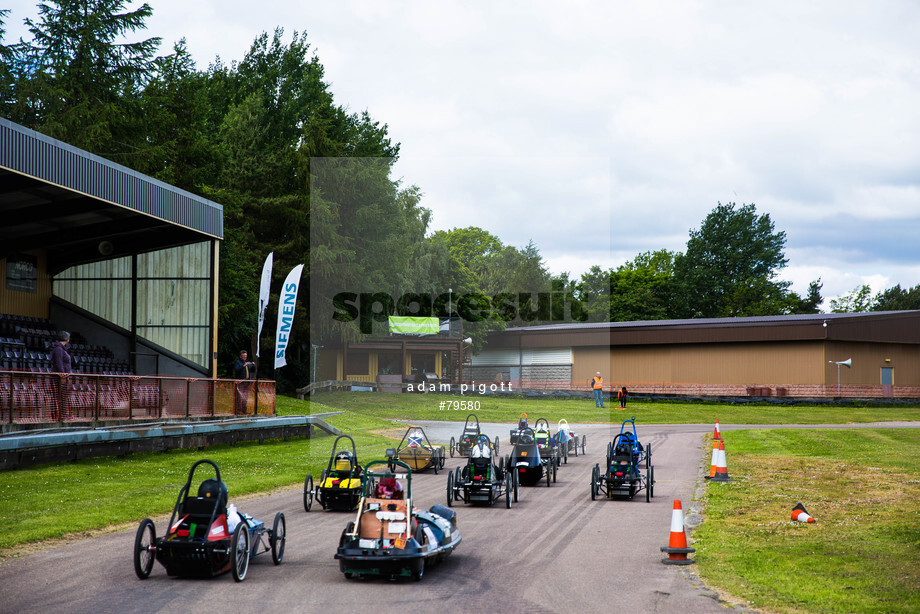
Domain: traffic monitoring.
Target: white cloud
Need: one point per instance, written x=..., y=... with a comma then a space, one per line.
x=531, y=119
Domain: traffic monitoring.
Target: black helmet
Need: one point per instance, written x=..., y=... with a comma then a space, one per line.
x=211, y=489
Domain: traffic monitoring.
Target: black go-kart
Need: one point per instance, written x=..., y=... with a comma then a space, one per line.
x=341, y=481
x=468, y=437
x=526, y=462
x=623, y=476
x=483, y=480
x=568, y=441
x=521, y=427
x=390, y=537
x=546, y=443
x=200, y=540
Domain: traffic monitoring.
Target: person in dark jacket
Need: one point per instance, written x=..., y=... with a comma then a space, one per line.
x=60, y=363
x=60, y=357
x=243, y=370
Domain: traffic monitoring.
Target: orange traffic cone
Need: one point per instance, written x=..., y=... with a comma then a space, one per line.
x=721, y=468
x=714, y=462
x=800, y=515
x=677, y=544
x=716, y=433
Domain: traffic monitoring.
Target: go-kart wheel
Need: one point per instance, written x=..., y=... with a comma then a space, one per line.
x=517, y=483
x=609, y=452
x=278, y=537
x=239, y=552
x=436, y=464
x=453, y=446
x=548, y=476
x=576, y=447
x=648, y=485
x=450, y=490
x=594, y=476
x=554, y=471
x=443, y=457
x=496, y=446
x=651, y=484
x=308, y=493
x=509, y=488
x=648, y=455
x=144, y=548
x=565, y=454
x=584, y=444
x=419, y=569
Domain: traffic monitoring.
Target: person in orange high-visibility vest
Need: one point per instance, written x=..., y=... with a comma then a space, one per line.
x=598, y=383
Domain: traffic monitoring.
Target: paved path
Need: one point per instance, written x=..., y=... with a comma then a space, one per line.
x=554, y=551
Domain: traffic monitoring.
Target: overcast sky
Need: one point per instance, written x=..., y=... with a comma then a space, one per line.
x=603, y=129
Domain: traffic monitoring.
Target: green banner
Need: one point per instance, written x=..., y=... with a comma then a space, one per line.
x=407, y=325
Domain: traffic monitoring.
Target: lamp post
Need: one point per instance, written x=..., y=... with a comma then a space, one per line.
x=846, y=363
x=315, y=347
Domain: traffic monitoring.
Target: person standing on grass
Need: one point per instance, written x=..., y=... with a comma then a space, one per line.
x=598, y=384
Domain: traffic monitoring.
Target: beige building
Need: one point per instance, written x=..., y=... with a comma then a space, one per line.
x=756, y=356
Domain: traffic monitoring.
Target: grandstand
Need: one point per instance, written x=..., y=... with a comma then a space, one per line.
x=128, y=265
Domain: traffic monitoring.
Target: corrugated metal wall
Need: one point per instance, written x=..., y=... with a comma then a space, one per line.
x=101, y=288
x=741, y=363
x=868, y=360
x=173, y=296
x=527, y=357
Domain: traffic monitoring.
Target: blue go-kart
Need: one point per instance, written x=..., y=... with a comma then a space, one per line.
x=623, y=474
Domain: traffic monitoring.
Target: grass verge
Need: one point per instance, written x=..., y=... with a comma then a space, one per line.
x=59, y=500
x=862, y=554
x=415, y=406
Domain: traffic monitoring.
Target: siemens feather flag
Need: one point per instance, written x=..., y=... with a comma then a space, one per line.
x=286, y=306
x=264, y=290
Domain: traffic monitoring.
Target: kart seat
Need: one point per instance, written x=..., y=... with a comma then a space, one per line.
x=384, y=519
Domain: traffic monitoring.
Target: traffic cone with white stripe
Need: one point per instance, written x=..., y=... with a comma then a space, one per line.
x=714, y=461
x=721, y=468
x=677, y=544
x=716, y=433
x=800, y=515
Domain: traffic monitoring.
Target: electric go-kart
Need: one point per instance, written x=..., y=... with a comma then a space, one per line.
x=206, y=537
x=568, y=440
x=522, y=425
x=417, y=452
x=546, y=443
x=483, y=480
x=623, y=475
x=526, y=462
x=468, y=437
x=391, y=538
x=340, y=484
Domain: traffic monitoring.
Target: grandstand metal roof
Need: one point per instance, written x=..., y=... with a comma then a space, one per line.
x=79, y=207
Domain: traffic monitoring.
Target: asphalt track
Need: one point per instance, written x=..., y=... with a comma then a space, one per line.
x=554, y=551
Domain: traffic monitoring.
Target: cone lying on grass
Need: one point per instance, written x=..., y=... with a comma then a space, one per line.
x=800, y=515
x=677, y=543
